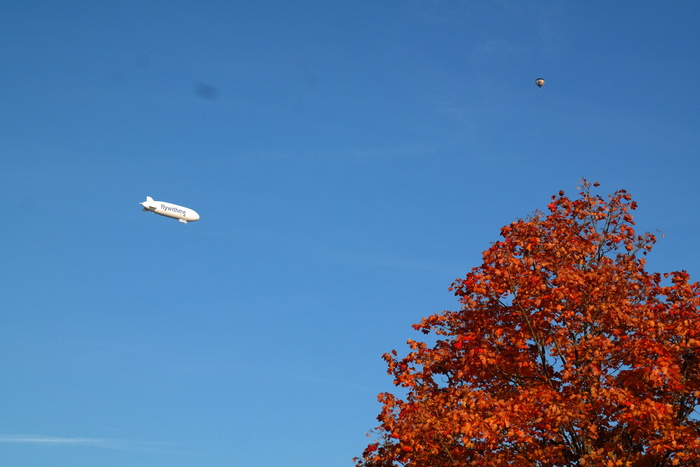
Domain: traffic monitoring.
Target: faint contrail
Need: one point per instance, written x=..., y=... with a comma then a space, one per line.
x=39, y=439
x=107, y=443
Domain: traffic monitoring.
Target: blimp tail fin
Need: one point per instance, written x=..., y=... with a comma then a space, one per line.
x=148, y=205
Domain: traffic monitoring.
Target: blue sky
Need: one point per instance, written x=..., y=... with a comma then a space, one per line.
x=349, y=160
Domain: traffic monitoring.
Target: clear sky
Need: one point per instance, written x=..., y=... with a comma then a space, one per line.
x=349, y=160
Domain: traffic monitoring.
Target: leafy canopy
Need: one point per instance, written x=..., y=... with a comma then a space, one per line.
x=565, y=352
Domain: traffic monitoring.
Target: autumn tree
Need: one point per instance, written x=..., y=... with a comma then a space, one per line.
x=565, y=352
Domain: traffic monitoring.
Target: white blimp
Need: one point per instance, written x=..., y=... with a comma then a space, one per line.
x=180, y=213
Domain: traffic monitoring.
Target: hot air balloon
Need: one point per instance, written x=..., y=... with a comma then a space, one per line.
x=539, y=82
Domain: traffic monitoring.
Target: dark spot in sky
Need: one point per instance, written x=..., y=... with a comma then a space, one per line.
x=309, y=77
x=28, y=203
x=116, y=77
x=206, y=91
x=143, y=61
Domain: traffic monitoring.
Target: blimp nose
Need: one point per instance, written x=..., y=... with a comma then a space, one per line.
x=195, y=216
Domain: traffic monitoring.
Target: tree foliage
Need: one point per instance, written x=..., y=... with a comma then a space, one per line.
x=565, y=352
